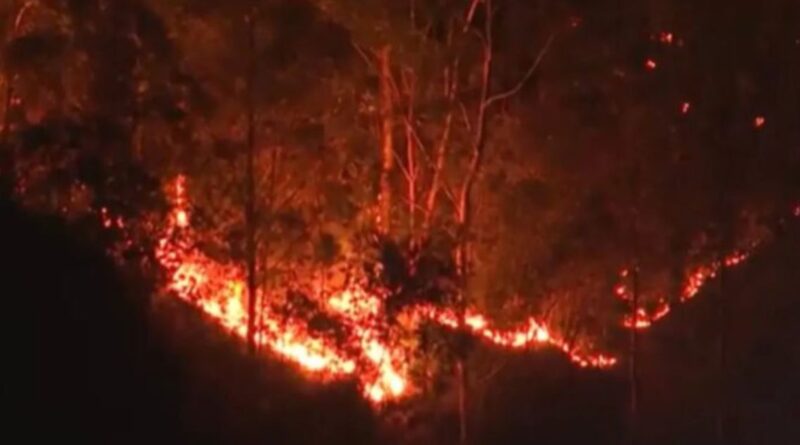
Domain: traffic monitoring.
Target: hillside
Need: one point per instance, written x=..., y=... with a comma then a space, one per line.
x=99, y=363
x=680, y=379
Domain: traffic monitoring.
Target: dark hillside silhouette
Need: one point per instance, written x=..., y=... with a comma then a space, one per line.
x=91, y=364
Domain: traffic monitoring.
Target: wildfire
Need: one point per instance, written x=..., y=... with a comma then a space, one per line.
x=369, y=350
x=695, y=281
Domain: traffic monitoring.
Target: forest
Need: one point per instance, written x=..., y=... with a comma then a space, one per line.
x=403, y=221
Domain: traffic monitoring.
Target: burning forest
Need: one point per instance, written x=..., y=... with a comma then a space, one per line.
x=456, y=222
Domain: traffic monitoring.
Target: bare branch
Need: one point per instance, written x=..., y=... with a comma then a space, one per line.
x=526, y=77
x=448, y=191
x=364, y=56
x=465, y=116
x=490, y=375
x=405, y=171
x=473, y=7
x=418, y=140
x=21, y=14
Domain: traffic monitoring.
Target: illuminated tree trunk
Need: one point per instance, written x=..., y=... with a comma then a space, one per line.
x=450, y=90
x=387, y=141
x=411, y=161
x=249, y=210
x=464, y=207
x=441, y=155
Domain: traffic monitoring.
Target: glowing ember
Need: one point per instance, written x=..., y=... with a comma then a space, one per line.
x=694, y=283
x=109, y=221
x=685, y=107
x=650, y=64
x=759, y=121
x=666, y=37
x=367, y=351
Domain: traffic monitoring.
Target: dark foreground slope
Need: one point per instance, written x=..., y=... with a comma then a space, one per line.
x=697, y=384
x=89, y=362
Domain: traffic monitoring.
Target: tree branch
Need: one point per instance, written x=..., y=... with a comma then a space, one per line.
x=403, y=168
x=364, y=56
x=21, y=15
x=526, y=77
x=465, y=116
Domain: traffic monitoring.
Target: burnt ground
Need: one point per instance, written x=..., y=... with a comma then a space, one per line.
x=92, y=359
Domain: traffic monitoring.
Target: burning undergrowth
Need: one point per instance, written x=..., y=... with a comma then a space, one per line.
x=376, y=320
x=366, y=324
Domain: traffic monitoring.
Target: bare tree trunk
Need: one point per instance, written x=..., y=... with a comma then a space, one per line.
x=633, y=371
x=463, y=209
x=265, y=242
x=478, y=144
x=461, y=375
x=722, y=357
x=387, y=141
x=411, y=160
x=450, y=87
x=250, y=189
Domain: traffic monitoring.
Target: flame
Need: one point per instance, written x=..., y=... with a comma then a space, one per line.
x=370, y=352
x=695, y=281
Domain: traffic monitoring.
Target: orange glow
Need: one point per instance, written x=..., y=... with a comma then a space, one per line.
x=759, y=121
x=368, y=349
x=695, y=281
x=650, y=64
x=109, y=221
x=666, y=37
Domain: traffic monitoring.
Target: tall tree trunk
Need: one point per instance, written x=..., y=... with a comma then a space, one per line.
x=250, y=189
x=265, y=243
x=633, y=370
x=411, y=163
x=722, y=357
x=387, y=141
x=461, y=376
x=450, y=90
x=464, y=208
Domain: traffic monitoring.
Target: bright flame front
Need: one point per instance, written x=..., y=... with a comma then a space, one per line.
x=369, y=351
